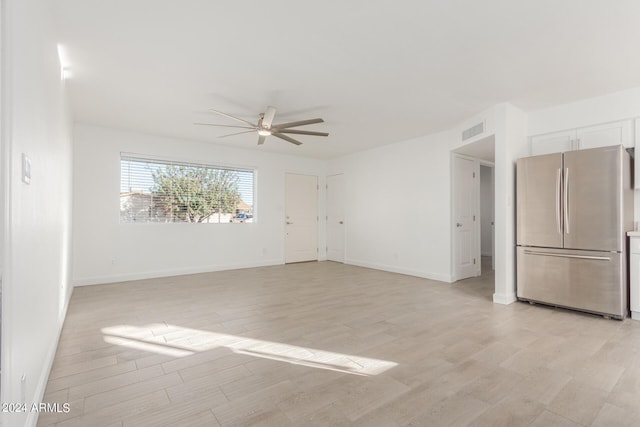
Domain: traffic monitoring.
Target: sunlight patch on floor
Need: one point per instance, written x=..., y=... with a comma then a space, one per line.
x=177, y=341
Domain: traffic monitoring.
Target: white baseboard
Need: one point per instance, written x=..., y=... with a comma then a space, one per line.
x=126, y=277
x=504, y=299
x=394, y=269
x=41, y=386
x=635, y=315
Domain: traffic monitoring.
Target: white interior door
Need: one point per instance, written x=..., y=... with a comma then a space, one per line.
x=466, y=258
x=301, y=218
x=335, y=218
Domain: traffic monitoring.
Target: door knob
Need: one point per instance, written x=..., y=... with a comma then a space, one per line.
x=289, y=222
x=458, y=224
x=341, y=222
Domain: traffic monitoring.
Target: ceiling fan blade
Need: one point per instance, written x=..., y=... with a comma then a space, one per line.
x=226, y=126
x=298, y=123
x=286, y=138
x=261, y=139
x=232, y=117
x=267, y=119
x=237, y=133
x=301, y=132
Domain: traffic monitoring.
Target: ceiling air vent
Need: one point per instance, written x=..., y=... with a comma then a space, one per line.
x=473, y=131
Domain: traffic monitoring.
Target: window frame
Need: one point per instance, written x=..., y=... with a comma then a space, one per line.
x=159, y=160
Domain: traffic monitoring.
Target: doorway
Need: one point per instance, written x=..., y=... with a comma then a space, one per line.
x=465, y=218
x=301, y=218
x=473, y=205
x=335, y=218
x=487, y=226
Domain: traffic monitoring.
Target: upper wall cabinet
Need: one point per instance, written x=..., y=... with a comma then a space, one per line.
x=556, y=142
x=605, y=135
x=588, y=137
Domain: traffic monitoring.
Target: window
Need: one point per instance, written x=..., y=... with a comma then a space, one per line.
x=165, y=191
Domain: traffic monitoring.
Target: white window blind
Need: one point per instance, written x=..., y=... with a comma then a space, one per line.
x=165, y=191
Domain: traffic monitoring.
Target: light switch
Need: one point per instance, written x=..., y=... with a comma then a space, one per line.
x=26, y=169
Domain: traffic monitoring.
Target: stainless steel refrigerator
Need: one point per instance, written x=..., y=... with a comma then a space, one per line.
x=573, y=212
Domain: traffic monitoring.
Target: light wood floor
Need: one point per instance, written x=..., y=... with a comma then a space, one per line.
x=328, y=344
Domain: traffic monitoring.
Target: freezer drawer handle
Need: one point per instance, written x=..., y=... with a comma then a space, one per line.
x=600, y=258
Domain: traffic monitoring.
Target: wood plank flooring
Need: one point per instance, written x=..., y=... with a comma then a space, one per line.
x=326, y=344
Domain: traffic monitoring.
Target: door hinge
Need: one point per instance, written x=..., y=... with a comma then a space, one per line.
x=474, y=217
x=474, y=261
x=474, y=174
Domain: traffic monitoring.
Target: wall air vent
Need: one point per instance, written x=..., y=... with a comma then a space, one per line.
x=473, y=131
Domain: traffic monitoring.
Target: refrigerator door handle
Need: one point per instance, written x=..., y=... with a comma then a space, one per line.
x=600, y=258
x=566, y=201
x=558, y=175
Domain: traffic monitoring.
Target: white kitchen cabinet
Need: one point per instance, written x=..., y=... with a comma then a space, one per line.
x=603, y=135
x=556, y=142
x=634, y=271
x=615, y=133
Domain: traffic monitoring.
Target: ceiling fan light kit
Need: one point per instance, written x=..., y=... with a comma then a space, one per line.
x=265, y=126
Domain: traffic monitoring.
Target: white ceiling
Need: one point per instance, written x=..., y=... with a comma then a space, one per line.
x=377, y=71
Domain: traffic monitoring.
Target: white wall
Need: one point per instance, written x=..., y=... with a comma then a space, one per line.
x=397, y=207
x=398, y=201
x=511, y=144
x=37, y=217
x=107, y=251
x=416, y=174
x=602, y=109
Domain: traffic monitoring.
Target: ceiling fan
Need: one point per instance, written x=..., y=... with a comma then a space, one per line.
x=266, y=127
